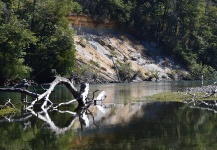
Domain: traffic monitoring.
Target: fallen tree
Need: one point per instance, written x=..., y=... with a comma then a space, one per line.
x=80, y=96
x=26, y=118
x=82, y=112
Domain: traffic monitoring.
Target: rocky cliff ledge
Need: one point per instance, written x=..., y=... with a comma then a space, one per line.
x=107, y=54
x=86, y=21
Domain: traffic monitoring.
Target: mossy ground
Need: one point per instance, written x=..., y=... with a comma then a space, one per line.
x=6, y=110
x=177, y=97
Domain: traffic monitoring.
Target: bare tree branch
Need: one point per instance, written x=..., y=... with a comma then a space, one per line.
x=47, y=93
x=8, y=102
x=66, y=103
x=19, y=90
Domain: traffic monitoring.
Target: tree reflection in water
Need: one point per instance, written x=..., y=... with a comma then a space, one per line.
x=124, y=126
x=210, y=105
x=159, y=126
x=46, y=105
x=80, y=112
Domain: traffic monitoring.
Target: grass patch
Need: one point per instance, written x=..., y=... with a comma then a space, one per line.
x=168, y=96
x=177, y=97
x=6, y=110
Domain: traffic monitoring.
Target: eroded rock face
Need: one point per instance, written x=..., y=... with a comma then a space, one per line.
x=106, y=46
x=87, y=21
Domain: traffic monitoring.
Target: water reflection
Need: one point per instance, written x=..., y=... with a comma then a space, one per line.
x=152, y=126
x=122, y=124
x=80, y=113
x=204, y=105
x=130, y=126
x=124, y=93
x=121, y=93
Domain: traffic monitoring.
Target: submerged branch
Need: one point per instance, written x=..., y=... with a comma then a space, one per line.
x=8, y=103
x=66, y=103
x=19, y=90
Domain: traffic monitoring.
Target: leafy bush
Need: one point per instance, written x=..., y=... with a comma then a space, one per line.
x=124, y=70
x=197, y=70
x=35, y=36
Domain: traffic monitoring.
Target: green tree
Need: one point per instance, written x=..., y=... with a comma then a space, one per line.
x=36, y=36
x=14, y=39
x=185, y=28
x=104, y=11
x=54, y=49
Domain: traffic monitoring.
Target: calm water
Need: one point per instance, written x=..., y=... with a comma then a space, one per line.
x=123, y=125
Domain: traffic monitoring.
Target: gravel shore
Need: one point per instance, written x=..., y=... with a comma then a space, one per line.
x=205, y=89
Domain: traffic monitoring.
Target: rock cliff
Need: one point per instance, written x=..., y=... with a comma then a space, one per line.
x=105, y=53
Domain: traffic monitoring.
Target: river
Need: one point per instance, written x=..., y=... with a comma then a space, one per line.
x=127, y=121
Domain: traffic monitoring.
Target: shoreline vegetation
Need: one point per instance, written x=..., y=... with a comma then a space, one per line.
x=177, y=97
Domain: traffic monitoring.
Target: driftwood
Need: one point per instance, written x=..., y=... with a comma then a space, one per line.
x=82, y=112
x=8, y=103
x=80, y=96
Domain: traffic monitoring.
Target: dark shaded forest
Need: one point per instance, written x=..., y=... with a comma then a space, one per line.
x=186, y=29
x=36, y=40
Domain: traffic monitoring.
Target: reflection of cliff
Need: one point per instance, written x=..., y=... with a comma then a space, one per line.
x=162, y=126
x=127, y=114
x=124, y=93
x=116, y=114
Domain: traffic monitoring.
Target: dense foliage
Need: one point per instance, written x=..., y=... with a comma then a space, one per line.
x=185, y=28
x=35, y=39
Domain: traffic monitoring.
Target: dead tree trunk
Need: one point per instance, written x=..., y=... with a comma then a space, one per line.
x=80, y=96
x=46, y=104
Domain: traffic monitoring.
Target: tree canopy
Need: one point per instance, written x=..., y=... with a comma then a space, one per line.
x=185, y=28
x=36, y=39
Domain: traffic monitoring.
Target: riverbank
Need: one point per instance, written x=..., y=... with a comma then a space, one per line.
x=193, y=93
